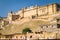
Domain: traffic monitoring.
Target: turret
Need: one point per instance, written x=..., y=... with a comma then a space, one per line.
x=10, y=16
x=36, y=9
x=22, y=14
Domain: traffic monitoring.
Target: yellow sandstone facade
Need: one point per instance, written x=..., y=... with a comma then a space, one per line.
x=33, y=11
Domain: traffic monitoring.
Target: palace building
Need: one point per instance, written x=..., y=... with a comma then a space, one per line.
x=45, y=19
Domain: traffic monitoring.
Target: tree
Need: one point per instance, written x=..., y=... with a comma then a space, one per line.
x=26, y=30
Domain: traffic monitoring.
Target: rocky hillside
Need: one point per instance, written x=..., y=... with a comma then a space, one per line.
x=33, y=24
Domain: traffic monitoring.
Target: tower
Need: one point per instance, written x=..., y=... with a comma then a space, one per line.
x=10, y=16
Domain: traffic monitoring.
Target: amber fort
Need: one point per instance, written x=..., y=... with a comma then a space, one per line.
x=44, y=21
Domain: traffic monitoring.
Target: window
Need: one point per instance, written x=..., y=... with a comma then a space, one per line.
x=22, y=17
x=41, y=26
x=41, y=32
x=58, y=20
x=52, y=26
x=0, y=36
x=58, y=7
x=33, y=17
x=1, y=28
x=58, y=25
x=46, y=26
x=30, y=36
x=7, y=36
x=36, y=32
